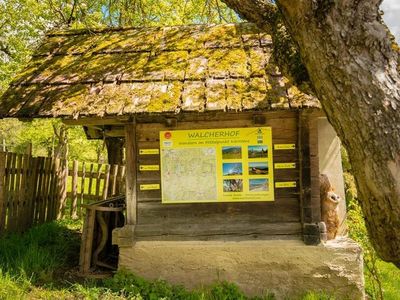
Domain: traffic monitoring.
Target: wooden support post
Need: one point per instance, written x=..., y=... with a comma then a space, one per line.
x=130, y=177
x=309, y=177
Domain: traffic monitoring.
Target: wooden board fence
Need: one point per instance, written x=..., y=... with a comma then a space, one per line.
x=30, y=190
x=34, y=190
x=90, y=182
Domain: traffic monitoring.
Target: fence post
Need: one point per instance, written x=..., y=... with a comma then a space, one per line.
x=3, y=158
x=74, y=202
x=81, y=200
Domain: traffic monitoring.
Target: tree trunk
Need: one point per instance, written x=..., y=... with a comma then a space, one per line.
x=115, y=154
x=353, y=68
x=115, y=151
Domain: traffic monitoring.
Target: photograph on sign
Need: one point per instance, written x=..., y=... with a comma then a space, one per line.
x=258, y=168
x=259, y=184
x=233, y=185
x=216, y=165
x=258, y=151
x=232, y=152
x=229, y=169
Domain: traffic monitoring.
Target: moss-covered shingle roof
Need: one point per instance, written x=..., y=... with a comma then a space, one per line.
x=151, y=70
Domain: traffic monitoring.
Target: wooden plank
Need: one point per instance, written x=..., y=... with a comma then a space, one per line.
x=282, y=210
x=12, y=193
x=82, y=192
x=309, y=168
x=314, y=165
x=74, y=213
x=106, y=182
x=221, y=237
x=114, y=174
x=7, y=189
x=44, y=190
x=3, y=162
x=87, y=242
x=96, y=121
x=196, y=230
x=62, y=188
x=91, y=174
x=284, y=130
x=48, y=187
x=17, y=193
x=130, y=176
x=55, y=189
x=98, y=181
x=32, y=188
x=22, y=214
x=121, y=179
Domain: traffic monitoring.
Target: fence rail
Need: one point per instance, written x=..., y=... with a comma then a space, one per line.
x=34, y=190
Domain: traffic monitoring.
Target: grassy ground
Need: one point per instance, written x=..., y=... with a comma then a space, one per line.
x=42, y=264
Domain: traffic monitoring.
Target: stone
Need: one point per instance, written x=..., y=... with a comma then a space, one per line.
x=288, y=268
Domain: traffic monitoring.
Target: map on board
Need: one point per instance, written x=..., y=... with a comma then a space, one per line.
x=189, y=174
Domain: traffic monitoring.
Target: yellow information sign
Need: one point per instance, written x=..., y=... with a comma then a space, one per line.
x=285, y=165
x=284, y=146
x=148, y=187
x=149, y=167
x=216, y=165
x=149, y=151
x=286, y=184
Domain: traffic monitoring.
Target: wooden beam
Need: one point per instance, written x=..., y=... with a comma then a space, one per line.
x=309, y=176
x=130, y=148
x=92, y=121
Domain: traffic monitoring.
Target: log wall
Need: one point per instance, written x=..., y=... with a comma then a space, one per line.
x=279, y=219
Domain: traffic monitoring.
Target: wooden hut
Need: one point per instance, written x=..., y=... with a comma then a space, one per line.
x=223, y=154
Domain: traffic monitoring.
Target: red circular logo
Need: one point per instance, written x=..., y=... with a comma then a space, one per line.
x=167, y=135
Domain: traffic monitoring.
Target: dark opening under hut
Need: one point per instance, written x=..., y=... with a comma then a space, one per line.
x=223, y=154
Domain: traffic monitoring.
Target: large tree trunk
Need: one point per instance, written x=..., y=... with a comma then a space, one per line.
x=349, y=57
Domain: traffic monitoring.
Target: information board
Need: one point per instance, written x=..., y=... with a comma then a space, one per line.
x=216, y=165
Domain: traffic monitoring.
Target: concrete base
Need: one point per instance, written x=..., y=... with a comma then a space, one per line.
x=286, y=268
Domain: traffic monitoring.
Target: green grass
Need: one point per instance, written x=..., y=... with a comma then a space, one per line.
x=42, y=264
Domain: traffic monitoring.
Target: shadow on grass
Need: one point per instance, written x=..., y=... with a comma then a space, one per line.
x=43, y=253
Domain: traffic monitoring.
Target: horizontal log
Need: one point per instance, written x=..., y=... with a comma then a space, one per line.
x=221, y=237
x=282, y=210
x=199, y=230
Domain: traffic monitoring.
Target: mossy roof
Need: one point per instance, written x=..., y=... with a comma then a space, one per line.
x=151, y=70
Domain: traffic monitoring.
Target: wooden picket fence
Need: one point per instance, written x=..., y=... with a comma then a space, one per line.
x=90, y=182
x=31, y=189
x=34, y=190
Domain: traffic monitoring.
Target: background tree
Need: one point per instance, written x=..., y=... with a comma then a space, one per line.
x=352, y=63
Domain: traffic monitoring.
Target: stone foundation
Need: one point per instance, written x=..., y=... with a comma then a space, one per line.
x=286, y=268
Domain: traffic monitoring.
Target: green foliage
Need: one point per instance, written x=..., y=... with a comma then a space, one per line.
x=40, y=133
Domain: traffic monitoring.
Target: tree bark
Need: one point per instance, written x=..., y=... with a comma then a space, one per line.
x=115, y=150
x=115, y=154
x=352, y=66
